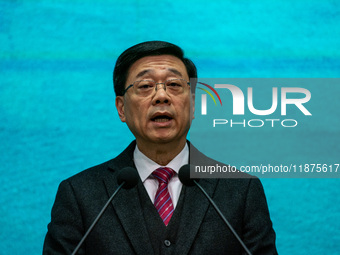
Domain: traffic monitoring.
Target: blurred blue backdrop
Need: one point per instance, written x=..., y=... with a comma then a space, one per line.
x=57, y=114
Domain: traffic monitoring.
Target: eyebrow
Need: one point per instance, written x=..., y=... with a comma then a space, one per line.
x=172, y=70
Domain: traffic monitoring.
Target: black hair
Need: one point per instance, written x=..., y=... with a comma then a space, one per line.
x=149, y=48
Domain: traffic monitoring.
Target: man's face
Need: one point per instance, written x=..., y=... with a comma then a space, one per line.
x=160, y=117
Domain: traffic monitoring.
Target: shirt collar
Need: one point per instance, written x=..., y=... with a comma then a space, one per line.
x=146, y=166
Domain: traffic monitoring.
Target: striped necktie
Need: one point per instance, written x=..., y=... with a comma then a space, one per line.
x=163, y=201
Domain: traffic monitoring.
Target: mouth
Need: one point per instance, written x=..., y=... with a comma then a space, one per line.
x=161, y=117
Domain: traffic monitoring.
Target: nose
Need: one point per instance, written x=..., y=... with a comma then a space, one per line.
x=161, y=96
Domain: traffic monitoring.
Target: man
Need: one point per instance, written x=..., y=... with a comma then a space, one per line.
x=154, y=98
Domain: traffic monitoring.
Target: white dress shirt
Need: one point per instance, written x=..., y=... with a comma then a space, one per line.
x=146, y=166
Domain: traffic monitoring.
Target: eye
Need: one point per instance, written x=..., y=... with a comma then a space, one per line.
x=145, y=84
x=174, y=83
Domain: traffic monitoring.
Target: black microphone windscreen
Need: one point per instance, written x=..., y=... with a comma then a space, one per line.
x=129, y=175
x=184, y=175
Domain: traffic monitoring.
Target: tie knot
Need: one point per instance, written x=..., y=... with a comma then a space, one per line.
x=163, y=174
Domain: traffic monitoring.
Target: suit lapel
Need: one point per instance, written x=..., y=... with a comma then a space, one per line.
x=194, y=209
x=195, y=206
x=127, y=205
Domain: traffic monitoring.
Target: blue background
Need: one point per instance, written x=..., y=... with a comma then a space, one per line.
x=57, y=114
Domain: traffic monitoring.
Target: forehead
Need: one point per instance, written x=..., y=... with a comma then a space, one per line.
x=157, y=65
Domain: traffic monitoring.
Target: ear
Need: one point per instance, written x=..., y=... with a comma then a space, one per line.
x=120, y=107
x=192, y=106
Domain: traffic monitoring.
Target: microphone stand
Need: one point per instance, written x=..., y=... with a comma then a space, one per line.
x=223, y=218
x=97, y=219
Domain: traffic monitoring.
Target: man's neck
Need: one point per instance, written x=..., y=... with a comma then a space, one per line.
x=160, y=153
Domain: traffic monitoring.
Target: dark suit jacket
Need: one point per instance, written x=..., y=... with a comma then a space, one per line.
x=123, y=228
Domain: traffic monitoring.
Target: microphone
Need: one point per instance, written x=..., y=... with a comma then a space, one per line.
x=184, y=177
x=127, y=179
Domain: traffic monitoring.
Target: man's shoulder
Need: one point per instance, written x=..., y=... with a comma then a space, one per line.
x=110, y=167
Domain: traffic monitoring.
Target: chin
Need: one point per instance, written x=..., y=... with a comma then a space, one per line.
x=168, y=139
